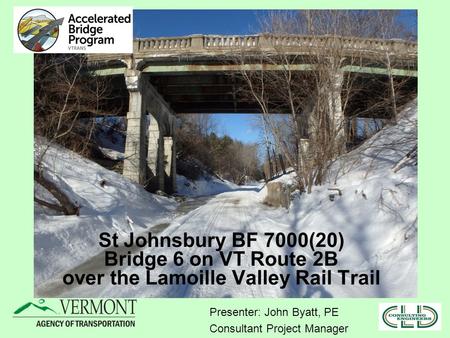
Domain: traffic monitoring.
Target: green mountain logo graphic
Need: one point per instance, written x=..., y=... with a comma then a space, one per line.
x=30, y=304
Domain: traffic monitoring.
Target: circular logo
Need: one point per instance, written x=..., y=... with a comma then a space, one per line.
x=38, y=30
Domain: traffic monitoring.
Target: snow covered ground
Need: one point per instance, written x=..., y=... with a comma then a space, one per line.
x=62, y=242
x=376, y=213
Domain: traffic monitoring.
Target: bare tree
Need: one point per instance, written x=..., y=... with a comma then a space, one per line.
x=67, y=101
x=318, y=98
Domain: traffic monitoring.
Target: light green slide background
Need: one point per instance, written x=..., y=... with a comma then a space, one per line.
x=189, y=317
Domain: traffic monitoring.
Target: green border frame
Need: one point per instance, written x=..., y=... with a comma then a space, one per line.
x=190, y=317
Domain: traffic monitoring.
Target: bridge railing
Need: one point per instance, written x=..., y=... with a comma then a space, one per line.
x=213, y=41
x=198, y=43
x=295, y=44
x=165, y=43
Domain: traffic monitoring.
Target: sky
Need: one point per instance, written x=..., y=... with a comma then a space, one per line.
x=166, y=23
x=154, y=23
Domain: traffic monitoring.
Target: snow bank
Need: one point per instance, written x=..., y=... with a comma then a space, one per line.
x=63, y=242
x=377, y=212
x=203, y=186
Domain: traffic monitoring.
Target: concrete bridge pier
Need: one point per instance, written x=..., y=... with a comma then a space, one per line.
x=161, y=157
x=170, y=164
x=134, y=162
x=161, y=174
x=155, y=154
x=149, y=152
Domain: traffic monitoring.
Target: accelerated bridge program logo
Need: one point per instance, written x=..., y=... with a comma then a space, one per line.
x=409, y=316
x=38, y=30
x=75, y=29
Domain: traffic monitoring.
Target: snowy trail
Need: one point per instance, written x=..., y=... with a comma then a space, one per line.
x=235, y=211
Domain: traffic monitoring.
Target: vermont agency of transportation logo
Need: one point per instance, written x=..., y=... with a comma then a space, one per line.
x=409, y=316
x=38, y=30
x=78, y=312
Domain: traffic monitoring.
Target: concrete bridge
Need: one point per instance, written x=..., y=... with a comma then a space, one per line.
x=194, y=74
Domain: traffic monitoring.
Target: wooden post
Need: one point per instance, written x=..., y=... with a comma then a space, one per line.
x=270, y=163
x=275, y=161
x=283, y=167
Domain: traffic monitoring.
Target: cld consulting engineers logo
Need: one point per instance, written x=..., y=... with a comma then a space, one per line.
x=409, y=316
x=73, y=312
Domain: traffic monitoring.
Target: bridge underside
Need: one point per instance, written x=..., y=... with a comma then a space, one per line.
x=207, y=92
x=221, y=92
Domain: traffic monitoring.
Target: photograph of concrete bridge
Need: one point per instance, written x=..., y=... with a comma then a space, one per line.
x=334, y=96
